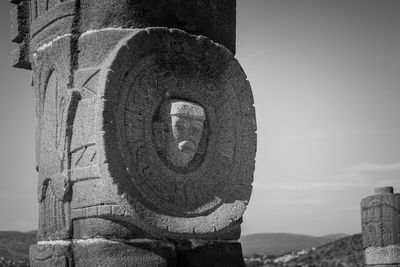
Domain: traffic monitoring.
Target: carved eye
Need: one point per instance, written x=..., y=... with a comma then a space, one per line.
x=196, y=131
x=165, y=129
x=181, y=128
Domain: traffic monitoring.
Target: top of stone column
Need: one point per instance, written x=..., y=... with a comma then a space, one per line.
x=215, y=19
x=35, y=23
x=384, y=190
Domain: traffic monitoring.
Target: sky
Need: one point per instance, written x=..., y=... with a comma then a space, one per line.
x=326, y=83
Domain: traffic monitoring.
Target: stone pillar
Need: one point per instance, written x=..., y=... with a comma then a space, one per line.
x=381, y=228
x=146, y=131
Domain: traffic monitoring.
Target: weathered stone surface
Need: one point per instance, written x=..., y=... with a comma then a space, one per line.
x=19, y=16
x=196, y=253
x=103, y=252
x=49, y=255
x=56, y=108
x=19, y=23
x=44, y=13
x=381, y=220
x=177, y=133
x=382, y=255
x=144, y=131
x=146, y=68
x=219, y=254
x=105, y=124
x=215, y=19
x=20, y=57
x=381, y=227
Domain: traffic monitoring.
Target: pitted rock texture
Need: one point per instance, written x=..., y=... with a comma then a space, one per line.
x=380, y=216
x=103, y=252
x=382, y=255
x=215, y=19
x=177, y=132
x=100, y=136
x=34, y=23
x=381, y=220
x=102, y=71
x=218, y=254
x=146, y=68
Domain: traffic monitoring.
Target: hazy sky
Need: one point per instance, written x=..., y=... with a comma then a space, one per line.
x=326, y=81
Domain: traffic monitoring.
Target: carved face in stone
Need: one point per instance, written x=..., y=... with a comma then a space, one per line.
x=183, y=124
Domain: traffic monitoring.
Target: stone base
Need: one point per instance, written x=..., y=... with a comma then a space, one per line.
x=382, y=256
x=103, y=252
x=138, y=253
x=218, y=254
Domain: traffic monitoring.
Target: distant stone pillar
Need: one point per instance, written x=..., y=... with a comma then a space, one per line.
x=146, y=131
x=381, y=228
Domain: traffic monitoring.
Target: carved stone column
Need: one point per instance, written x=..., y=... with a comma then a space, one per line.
x=381, y=228
x=146, y=131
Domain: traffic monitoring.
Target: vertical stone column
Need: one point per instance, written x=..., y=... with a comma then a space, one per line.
x=381, y=228
x=146, y=131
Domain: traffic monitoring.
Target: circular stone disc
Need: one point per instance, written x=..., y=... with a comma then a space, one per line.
x=147, y=69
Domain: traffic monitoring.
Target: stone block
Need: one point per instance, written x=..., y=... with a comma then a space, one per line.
x=380, y=216
x=58, y=29
x=20, y=57
x=219, y=254
x=141, y=253
x=102, y=192
x=215, y=19
x=382, y=255
x=142, y=75
x=381, y=220
x=103, y=252
x=96, y=45
x=49, y=255
x=19, y=23
x=44, y=15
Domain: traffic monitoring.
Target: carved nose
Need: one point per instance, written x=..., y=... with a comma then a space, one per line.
x=187, y=146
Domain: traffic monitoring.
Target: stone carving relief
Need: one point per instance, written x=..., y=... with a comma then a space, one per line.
x=151, y=141
x=54, y=163
x=178, y=122
x=158, y=152
x=39, y=7
x=51, y=255
x=178, y=132
x=381, y=220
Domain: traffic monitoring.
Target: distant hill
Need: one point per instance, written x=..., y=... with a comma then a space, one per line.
x=346, y=251
x=279, y=243
x=335, y=236
x=14, y=247
x=343, y=252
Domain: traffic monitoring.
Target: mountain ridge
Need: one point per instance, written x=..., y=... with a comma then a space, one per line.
x=14, y=245
x=280, y=243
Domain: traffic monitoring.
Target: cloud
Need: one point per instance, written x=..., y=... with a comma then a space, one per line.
x=376, y=167
x=360, y=177
x=367, y=174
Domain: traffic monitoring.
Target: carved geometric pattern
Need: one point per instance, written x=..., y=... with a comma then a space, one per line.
x=53, y=219
x=97, y=211
x=55, y=14
x=51, y=255
x=381, y=220
x=83, y=156
x=87, y=81
x=141, y=74
x=40, y=7
x=54, y=212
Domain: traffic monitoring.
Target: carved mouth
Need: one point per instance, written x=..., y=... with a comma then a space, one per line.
x=187, y=147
